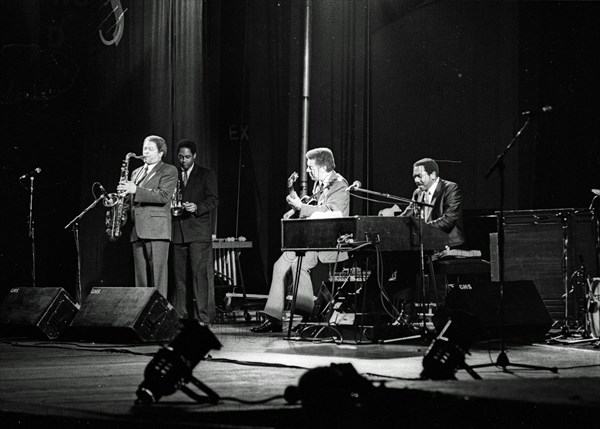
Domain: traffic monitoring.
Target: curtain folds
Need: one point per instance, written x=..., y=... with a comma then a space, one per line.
x=340, y=84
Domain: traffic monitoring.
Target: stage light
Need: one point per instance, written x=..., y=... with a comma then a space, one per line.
x=334, y=396
x=171, y=368
x=446, y=354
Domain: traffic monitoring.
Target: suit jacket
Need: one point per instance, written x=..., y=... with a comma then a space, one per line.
x=151, y=203
x=201, y=189
x=333, y=197
x=446, y=213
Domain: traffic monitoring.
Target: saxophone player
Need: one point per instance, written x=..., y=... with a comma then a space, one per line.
x=192, y=293
x=149, y=192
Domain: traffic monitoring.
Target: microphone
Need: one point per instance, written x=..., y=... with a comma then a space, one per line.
x=31, y=173
x=356, y=184
x=544, y=109
x=104, y=192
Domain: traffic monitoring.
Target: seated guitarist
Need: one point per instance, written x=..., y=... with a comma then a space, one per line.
x=331, y=200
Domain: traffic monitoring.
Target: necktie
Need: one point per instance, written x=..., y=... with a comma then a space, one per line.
x=142, y=176
x=185, y=177
x=427, y=210
x=317, y=188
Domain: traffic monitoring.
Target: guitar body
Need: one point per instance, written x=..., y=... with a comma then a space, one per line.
x=295, y=214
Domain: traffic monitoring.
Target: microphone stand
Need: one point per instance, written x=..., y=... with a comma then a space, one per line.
x=75, y=224
x=498, y=165
x=420, y=205
x=32, y=230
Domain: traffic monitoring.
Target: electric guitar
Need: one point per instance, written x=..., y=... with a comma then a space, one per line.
x=294, y=214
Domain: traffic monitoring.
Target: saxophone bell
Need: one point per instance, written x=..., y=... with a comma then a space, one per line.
x=110, y=199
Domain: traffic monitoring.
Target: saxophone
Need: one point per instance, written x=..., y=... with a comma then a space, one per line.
x=116, y=216
x=176, y=201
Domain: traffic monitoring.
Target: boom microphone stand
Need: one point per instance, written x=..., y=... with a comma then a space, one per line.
x=75, y=224
x=502, y=360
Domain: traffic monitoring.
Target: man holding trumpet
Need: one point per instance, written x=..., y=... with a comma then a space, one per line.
x=192, y=294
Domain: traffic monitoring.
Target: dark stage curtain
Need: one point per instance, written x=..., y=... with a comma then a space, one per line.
x=260, y=111
x=152, y=82
x=340, y=87
x=444, y=85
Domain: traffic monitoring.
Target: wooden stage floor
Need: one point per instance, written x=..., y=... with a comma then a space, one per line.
x=61, y=384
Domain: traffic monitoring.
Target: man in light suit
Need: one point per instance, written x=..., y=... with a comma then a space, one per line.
x=193, y=294
x=151, y=188
x=331, y=198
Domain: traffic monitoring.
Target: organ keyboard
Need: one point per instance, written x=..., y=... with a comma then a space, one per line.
x=387, y=233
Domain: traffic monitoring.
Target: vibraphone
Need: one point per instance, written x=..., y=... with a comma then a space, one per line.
x=229, y=270
x=227, y=261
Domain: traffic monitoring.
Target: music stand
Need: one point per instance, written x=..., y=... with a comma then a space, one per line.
x=498, y=165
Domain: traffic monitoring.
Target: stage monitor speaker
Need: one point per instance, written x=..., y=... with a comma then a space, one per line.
x=124, y=314
x=36, y=312
x=525, y=314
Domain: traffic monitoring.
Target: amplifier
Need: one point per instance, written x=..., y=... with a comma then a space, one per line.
x=546, y=247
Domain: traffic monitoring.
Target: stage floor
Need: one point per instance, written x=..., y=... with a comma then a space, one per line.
x=60, y=384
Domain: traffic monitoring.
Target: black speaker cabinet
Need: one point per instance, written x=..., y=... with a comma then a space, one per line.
x=525, y=314
x=124, y=314
x=36, y=312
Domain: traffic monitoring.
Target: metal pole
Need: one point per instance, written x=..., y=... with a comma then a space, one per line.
x=32, y=231
x=305, y=98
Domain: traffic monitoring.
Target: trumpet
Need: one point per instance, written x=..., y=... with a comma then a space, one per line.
x=176, y=201
x=116, y=216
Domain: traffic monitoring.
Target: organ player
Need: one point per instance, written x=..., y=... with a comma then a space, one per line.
x=446, y=214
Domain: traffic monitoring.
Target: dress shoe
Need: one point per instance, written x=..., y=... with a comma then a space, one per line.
x=269, y=325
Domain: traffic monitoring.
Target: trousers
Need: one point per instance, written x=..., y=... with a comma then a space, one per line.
x=286, y=264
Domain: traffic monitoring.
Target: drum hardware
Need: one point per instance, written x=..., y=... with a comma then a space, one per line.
x=570, y=324
x=588, y=329
x=592, y=308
